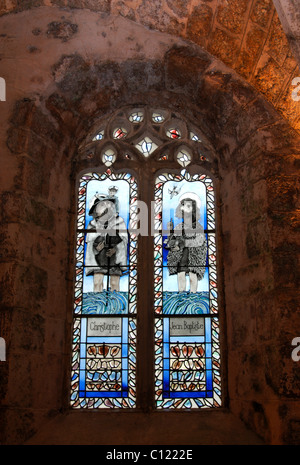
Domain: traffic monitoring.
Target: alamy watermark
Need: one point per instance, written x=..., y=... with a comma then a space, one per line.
x=296, y=351
x=296, y=91
x=105, y=210
x=2, y=350
x=2, y=90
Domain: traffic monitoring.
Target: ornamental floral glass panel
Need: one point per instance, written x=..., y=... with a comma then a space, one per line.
x=187, y=351
x=104, y=329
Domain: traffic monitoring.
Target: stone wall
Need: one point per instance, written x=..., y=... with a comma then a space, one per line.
x=66, y=69
x=246, y=35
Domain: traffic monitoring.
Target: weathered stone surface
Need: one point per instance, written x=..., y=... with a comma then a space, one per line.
x=153, y=15
x=138, y=76
x=33, y=178
x=254, y=279
x=180, y=7
x=124, y=10
x=74, y=77
x=288, y=105
x=30, y=128
x=62, y=30
x=256, y=418
x=261, y=12
x=232, y=15
x=109, y=76
x=277, y=45
x=250, y=51
x=22, y=112
x=7, y=282
x=62, y=111
x=260, y=114
x=184, y=69
x=286, y=264
x=285, y=225
x=94, y=5
x=268, y=78
x=29, y=334
x=292, y=432
x=9, y=248
x=32, y=286
x=283, y=193
x=199, y=24
x=25, y=421
x=257, y=241
x=282, y=376
x=288, y=12
x=224, y=46
x=26, y=4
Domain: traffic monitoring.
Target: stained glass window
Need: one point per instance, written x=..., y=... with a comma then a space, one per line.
x=104, y=330
x=186, y=360
x=187, y=352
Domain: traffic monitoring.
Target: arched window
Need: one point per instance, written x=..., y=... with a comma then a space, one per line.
x=187, y=355
x=104, y=368
x=146, y=166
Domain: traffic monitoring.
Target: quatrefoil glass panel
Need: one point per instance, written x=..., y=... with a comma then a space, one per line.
x=109, y=157
x=184, y=157
x=146, y=146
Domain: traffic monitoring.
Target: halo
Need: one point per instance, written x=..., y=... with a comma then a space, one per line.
x=99, y=198
x=191, y=196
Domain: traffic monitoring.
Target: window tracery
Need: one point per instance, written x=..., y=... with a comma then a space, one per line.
x=143, y=131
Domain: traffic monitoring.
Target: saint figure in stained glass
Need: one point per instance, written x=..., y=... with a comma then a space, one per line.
x=106, y=253
x=187, y=245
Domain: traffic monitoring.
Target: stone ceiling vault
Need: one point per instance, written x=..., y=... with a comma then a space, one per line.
x=245, y=34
